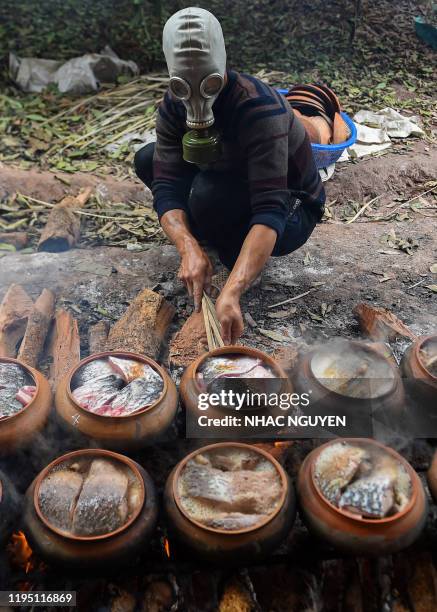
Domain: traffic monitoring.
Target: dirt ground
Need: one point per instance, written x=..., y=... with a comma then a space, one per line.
x=340, y=265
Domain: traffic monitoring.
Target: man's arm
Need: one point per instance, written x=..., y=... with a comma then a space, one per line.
x=253, y=256
x=171, y=186
x=280, y=164
x=265, y=138
x=196, y=269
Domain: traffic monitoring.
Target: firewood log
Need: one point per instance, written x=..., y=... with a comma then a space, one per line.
x=14, y=312
x=37, y=328
x=422, y=585
x=17, y=239
x=380, y=324
x=65, y=345
x=189, y=342
x=62, y=230
x=97, y=337
x=143, y=326
x=235, y=598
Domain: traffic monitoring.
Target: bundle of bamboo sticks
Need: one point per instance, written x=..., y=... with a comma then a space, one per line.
x=212, y=324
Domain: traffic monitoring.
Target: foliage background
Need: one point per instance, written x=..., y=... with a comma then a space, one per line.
x=291, y=35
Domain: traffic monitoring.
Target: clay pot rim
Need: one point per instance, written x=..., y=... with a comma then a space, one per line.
x=417, y=345
x=71, y=455
x=279, y=469
x=349, y=515
x=29, y=370
x=236, y=348
x=133, y=356
x=361, y=400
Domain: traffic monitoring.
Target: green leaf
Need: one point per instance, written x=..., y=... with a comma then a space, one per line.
x=4, y=246
x=35, y=117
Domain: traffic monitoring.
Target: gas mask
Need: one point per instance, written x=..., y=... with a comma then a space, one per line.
x=196, y=59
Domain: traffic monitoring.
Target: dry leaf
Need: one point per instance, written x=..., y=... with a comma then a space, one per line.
x=315, y=317
x=325, y=308
x=282, y=314
x=433, y=288
x=386, y=277
x=307, y=259
x=433, y=268
x=274, y=335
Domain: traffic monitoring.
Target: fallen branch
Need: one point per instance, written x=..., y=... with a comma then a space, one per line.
x=14, y=312
x=37, y=328
x=65, y=347
x=189, y=342
x=62, y=230
x=380, y=324
x=292, y=299
x=98, y=336
x=16, y=239
x=143, y=326
x=362, y=209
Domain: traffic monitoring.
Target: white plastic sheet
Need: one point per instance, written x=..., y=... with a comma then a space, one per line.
x=375, y=130
x=79, y=75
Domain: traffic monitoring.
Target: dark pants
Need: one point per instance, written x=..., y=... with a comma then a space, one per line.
x=219, y=211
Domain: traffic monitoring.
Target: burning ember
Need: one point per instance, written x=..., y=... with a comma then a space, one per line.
x=166, y=544
x=20, y=552
x=283, y=445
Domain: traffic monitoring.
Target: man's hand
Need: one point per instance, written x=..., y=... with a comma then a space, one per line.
x=196, y=269
x=196, y=272
x=254, y=253
x=229, y=314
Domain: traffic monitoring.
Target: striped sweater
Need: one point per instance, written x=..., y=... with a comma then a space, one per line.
x=262, y=141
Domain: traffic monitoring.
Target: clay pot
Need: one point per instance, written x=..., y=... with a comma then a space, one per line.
x=360, y=536
x=224, y=546
x=120, y=546
x=190, y=389
x=21, y=428
x=122, y=432
x=421, y=384
x=385, y=400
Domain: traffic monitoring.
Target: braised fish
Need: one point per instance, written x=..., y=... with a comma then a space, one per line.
x=129, y=369
x=102, y=506
x=370, y=497
x=97, y=393
x=138, y=394
x=116, y=386
x=58, y=494
x=25, y=394
x=91, y=371
x=13, y=379
x=336, y=466
x=232, y=366
x=12, y=375
x=234, y=521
